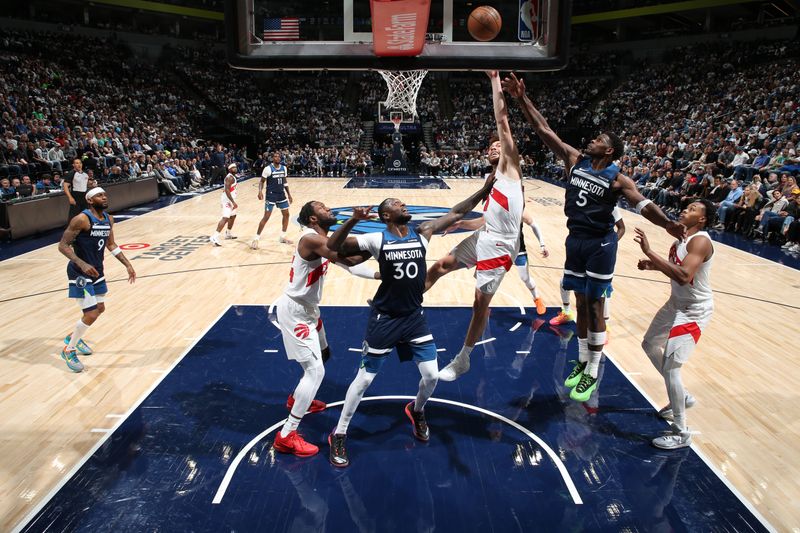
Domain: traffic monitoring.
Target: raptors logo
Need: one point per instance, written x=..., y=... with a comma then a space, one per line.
x=301, y=331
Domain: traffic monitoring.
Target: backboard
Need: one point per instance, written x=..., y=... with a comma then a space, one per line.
x=337, y=35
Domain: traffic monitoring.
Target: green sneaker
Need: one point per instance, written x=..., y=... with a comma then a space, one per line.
x=82, y=347
x=575, y=376
x=584, y=389
x=71, y=359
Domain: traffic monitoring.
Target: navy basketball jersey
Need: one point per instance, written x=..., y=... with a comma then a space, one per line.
x=590, y=200
x=276, y=181
x=403, y=269
x=90, y=245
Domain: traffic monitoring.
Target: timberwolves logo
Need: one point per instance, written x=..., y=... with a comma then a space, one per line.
x=419, y=214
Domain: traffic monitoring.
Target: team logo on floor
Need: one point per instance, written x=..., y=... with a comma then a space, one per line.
x=419, y=214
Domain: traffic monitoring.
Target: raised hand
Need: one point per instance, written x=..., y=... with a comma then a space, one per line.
x=645, y=264
x=363, y=213
x=641, y=240
x=492, y=74
x=676, y=230
x=513, y=86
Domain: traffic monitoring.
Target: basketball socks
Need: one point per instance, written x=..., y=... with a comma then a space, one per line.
x=313, y=373
x=77, y=334
x=283, y=236
x=355, y=392
x=527, y=280
x=594, y=363
x=564, y=300
x=215, y=235
x=607, y=309
x=583, y=350
x=429, y=370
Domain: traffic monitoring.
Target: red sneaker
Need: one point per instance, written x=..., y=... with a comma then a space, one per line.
x=315, y=407
x=295, y=444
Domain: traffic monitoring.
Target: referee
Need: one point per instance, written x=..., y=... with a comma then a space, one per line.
x=75, y=186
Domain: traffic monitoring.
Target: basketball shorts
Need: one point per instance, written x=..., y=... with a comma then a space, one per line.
x=227, y=209
x=86, y=292
x=302, y=330
x=521, y=259
x=271, y=202
x=492, y=256
x=677, y=326
x=409, y=334
x=589, y=266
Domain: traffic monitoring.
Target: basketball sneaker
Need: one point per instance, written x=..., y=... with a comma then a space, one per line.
x=563, y=318
x=229, y=235
x=457, y=367
x=70, y=357
x=540, y=307
x=338, y=455
x=81, y=346
x=421, y=430
x=666, y=412
x=295, y=444
x=584, y=389
x=285, y=240
x=575, y=376
x=254, y=242
x=674, y=440
x=214, y=240
x=315, y=407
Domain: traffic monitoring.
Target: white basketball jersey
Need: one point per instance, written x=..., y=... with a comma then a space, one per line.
x=502, y=211
x=224, y=197
x=306, y=277
x=699, y=288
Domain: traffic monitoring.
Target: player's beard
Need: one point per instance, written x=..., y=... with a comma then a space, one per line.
x=327, y=223
x=403, y=219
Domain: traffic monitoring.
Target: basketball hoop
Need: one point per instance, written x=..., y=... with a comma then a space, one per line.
x=403, y=89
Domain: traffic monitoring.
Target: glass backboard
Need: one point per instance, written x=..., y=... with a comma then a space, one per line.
x=337, y=35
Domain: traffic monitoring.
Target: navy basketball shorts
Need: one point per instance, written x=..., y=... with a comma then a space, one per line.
x=409, y=334
x=589, y=266
x=272, y=201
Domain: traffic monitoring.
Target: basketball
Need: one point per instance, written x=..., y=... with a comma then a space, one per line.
x=484, y=23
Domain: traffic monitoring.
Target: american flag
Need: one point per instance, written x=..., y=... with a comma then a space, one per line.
x=282, y=29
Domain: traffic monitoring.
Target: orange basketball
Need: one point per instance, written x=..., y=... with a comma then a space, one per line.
x=484, y=23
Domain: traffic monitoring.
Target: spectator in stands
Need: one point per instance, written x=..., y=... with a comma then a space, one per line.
x=728, y=204
x=25, y=188
x=773, y=208
x=7, y=192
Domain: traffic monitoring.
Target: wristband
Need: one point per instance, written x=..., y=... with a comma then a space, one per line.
x=116, y=251
x=641, y=205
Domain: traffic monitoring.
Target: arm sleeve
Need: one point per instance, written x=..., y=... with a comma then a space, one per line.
x=361, y=270
x=370, y=242
x=617, y=214
x=537, y=231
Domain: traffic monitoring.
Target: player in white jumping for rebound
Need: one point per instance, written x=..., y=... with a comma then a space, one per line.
x=229, y=206
x=300, y=324
x=676, y=328
x=493, y=249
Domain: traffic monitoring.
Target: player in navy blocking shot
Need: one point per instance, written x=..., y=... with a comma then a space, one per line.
x=84, y=243
x=397, y=319
x=274, y=175
x=594, y=185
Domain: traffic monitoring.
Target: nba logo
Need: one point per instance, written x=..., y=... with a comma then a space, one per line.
x=528, y=20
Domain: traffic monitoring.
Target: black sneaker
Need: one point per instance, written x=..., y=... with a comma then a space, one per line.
x=421, y=431
x=338, y=455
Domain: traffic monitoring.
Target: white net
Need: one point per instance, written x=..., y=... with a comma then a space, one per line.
x=403, y=88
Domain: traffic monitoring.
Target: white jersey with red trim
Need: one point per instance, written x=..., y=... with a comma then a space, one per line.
x=224, y=197
x=699, y=288
x=306, y=277
x=502, y=211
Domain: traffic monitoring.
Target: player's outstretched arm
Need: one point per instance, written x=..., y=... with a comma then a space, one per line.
x=116, y=251
x=646, y=208
x=509, y=158
x=516, y=89
x=427, y=229
x=78, y=223
x=340, y=242
x=699, y=250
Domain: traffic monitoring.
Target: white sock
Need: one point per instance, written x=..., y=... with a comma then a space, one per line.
x=257, y=237
x=306, y=390
x=607, y=309
x=215, y=235
x=465, y=351
x=564, y=300
x=594, y=363
x=429, y=370
x=583, y=350
x=355, y=392
x=77, y=334
x=283, y=235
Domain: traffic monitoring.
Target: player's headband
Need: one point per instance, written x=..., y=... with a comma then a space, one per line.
x=93, y=192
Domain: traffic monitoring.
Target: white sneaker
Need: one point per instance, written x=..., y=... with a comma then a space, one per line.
x=230, y=236
x=674, y=440
x=795, y=248
x=666, y=412
x=285, y=240
x=214, y=241
x=254, y=243
x=457, y=367
x=788, y=245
